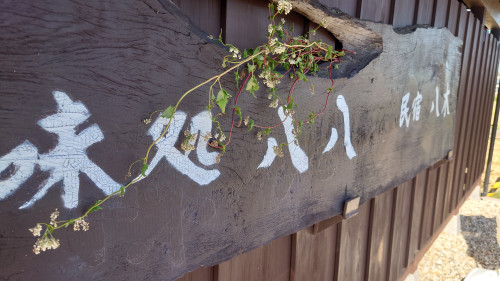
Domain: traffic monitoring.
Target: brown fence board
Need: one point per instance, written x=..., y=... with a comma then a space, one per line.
x=200, y=274
x=313, y=254
x=479, y=97
x=425, y=12
x=490, y=97
x=428, y=208
x=404, y=13
x=440, y=17
x=463, y=100
x=418, y=192
x=375, y=10
x=470, y=106
x=269, y=262
x=476, y=147
x=453, y=16
x=353, y=246
x=442, y=173
x=379, y=235
x=400, y=227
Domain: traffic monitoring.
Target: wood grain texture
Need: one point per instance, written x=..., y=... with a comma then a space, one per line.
x=313, y=255
x=122, y=60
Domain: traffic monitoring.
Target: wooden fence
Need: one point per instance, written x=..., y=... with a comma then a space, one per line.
x=393, y=230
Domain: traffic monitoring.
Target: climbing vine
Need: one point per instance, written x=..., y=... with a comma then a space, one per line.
x=283, y=56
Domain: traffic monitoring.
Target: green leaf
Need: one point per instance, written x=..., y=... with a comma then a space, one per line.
x=251, y=67
x=169, y=112
x=335, y=66
x=222, y=94
x=122, y=191
x=237, y=78
x=302, y=76
x=222, y=99
x=250, y=125
x=95, y=208
x=144, y=169
x=245, y=54
x=252, y=86
x=222, y=104
x=271, y=8
x=301, y=123
x=329, y=53
x=267, y=131
x=238, y=111
x=312, y=119
x=259, y=60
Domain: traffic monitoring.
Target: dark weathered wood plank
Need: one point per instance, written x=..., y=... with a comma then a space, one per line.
x=442, y=173
x=206, y=14
x=348, y=7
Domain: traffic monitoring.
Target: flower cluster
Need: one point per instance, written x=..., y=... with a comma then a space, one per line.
x=284, y=6
x=80, y=223
x=53, y=218
x=36, y=230
x=188, y=143
x=45, y=243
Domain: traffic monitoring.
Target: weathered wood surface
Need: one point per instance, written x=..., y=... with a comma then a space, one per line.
x=112, y=64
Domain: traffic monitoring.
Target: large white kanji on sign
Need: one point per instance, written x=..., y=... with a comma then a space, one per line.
x=65, y=162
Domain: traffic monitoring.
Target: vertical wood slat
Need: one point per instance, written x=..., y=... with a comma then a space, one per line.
x=398, y=260
x=313, y=255
x=442, y=173
x=200, y=274
x=464, y=33
x=268, y=262
x=469, y=91
x=460, y=32
x=418, y=190
x=478, y=96
x=490, y=93
x=428, y=208
x=376, y=10
x=480, y=118
x=440, y=15
x=404, y=13
x=453, y=16
x=425, y=11
x=353, y=242
x=463, y=100
x=379, y=236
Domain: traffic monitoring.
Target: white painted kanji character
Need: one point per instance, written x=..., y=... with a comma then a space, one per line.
x=446, y=105
x=404, y=116
x=180, y=161
x=416, y=106
x=299, y=158
x=65, y=162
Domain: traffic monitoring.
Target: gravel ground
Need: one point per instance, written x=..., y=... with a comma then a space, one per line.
x=453, y=256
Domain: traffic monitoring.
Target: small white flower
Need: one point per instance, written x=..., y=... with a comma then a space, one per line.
x=270, y=28
x=36, y=230
x=324, y=23
x=274, y=104
x=284, y=6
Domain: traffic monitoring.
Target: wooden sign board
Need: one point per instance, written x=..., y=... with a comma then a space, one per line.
x=76, y=80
